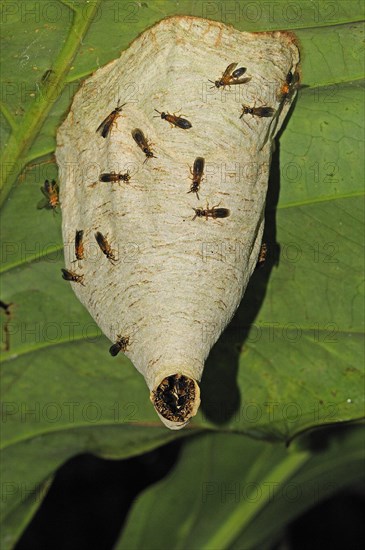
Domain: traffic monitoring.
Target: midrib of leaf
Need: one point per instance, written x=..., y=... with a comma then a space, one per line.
x=320, y=199
x=317, y=473
x=31, y=348
x=229, y=530
x=193, y=518
x=36, y=257
x=12, y=159
x=333, y=462
x=188, y=524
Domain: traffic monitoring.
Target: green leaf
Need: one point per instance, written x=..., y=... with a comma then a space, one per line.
x=289, y=360
x=29, y=500
x=336, y=458
x=229, y=491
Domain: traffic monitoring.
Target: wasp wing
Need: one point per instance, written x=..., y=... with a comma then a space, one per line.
x=104, y=128
x=265, y=111
x=139, y=138
x=43, y=203
x=240, y=81
x=229, y=70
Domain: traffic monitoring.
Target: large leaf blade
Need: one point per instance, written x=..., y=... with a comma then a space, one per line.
x=321, y=144
x=234, y=492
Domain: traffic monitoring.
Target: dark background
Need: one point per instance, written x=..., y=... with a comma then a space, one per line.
x=88, y=502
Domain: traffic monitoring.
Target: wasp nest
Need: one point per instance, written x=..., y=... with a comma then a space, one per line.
x=164, y=161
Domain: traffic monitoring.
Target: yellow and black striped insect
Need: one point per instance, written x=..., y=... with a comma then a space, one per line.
x=72, y=276
x=105, y=127
x=231, y=76
x=175, y=120
x=113, y=177
x=257, y=111
x=197, y=173
x=213, y=212
x=142, y=143
x=120, y=345
x=105, y=247
x=51, y=199
x=79, y=245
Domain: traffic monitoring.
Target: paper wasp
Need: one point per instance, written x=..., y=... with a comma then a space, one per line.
x=262, y=256
x=142, y=143
x=173, y=397
x=175, y=120
x=288, y=87
x=72, y=276
x=105, y=247
x=120, y=345
x=105, y=127
x=113, y=177
x=257, y=111
x=231, y=76
x=79, y=245
x=50, y=191
x=213, y=212
x=197, y=173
